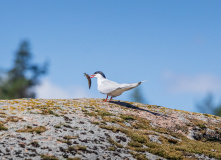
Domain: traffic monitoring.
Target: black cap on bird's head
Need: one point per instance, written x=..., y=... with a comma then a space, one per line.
x=98, y=72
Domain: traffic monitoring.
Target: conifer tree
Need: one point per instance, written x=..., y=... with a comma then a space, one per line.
x=208, y=106
x=18, y=82
x=137, y=96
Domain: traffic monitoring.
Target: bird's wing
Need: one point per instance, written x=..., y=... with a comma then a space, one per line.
x=108, y=86
x=124, y=87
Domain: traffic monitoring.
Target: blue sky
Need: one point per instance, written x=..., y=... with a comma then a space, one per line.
x=173, y=44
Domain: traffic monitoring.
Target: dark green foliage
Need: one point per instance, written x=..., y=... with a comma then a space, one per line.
x=2, y=127
x=18, y=82
x=137, y=96
x=208, y=106
x=217, y=111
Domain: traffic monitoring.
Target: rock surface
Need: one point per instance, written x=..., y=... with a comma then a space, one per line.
x=93, y=129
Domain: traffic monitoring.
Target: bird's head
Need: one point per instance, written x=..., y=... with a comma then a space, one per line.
x=98, y=74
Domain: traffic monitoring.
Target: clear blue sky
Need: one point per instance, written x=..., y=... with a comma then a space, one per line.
x=176, y=45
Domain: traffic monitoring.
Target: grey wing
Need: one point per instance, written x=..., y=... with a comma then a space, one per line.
x=124, y=87
x=129, y=86
x=108, y=86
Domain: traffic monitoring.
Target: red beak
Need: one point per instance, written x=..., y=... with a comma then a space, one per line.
x=92, y=76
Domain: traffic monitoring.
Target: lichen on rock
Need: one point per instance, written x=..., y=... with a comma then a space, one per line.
x=93, y=129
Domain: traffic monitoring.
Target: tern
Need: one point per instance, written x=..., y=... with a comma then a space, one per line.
x=111, y=88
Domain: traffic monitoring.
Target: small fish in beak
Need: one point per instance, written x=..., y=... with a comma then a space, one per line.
x=88, y=79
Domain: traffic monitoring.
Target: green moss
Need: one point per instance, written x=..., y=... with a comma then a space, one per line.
x=78, y=147
x=137, y=131
x=75, y=158
x=84, y=110
x=93, y=122
x=135, y=144
x=2, y=127
x=65, y=141
x=29, y=127
x=141, y=123
x=171, y=148
x=127, y=117
x=112, y=149
x=81, y=147
x=173, y=141
x=139, y=149
x=57, y=126
x=201, y=125
x=139, y=156
x=38, y=130
x=12, y=119
x=70, y=137
x=92, y=114
x=112, y=128
x=46, y=157
x=115, y=143
x=112, y=119
x=162, y=152
x=47, y=111
x=136, y=137
x=104, y=113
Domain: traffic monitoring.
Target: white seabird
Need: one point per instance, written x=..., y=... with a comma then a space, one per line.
x=111, y=88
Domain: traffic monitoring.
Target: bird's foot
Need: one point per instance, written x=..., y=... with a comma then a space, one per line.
x=105, y=100
x=110, y=99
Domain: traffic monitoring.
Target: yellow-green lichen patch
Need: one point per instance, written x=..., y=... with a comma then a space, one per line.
x=75, y=158
x=2, y=127
x=112, y=148
x=12, y=119
x=68, y=142
x=95, y=122
x=30, y=129
x=77, y=148
x=146, y=128
x=134, y=144
x=138, y=156
x=112, y=119
x=114, y=143
x=127, y=117
x=103, y=113
x=171, y=148
x=92, y=114
x=48, y=157
x=70, y=137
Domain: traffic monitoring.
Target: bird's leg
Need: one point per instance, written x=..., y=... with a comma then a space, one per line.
x=110, y=99
x=106, y=99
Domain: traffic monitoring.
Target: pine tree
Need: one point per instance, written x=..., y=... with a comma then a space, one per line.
x=137, y=96
x=19, y=81
x=208, y=106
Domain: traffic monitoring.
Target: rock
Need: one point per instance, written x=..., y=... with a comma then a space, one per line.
x=93, y=129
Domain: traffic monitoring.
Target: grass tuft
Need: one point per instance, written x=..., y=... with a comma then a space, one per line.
x=2, y=127
x=38, y=130
x=47, y=157
x=127, y=117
